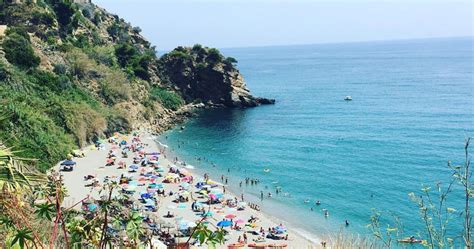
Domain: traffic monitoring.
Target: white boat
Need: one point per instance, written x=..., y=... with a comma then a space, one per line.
x=348, y=98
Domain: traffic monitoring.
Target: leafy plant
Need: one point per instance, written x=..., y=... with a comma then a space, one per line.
x=22, y=237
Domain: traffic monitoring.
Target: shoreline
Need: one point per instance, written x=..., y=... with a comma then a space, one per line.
x=306, y=235
x=93, y=163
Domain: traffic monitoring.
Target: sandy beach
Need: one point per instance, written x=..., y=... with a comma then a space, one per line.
x=94, y=164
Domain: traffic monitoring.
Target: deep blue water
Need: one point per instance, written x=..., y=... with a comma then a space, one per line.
x=412, y=109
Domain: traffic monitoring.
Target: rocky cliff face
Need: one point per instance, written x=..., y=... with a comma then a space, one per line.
x=204, y=75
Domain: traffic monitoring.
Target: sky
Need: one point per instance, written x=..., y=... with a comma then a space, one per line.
x=244, y=23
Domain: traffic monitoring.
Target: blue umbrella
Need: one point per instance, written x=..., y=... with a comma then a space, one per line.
x=133, y=166
x=149, y=202
x=68, y=163
x=224, y=223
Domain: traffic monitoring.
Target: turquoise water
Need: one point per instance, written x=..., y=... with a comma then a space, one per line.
x=411, y=111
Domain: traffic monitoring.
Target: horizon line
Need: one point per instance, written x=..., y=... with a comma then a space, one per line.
x=330, y=43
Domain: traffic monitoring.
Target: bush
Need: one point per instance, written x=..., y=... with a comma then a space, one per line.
x=19, y=52
x=130, y=58
x=19, y=30
x=115, y=87
x=42, y=18
x=169, y=99
x=103, y=55
x=230, y=60
x=214, y=56
x=64, y=11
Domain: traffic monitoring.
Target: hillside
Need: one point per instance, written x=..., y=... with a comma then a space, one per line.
x=71, y=73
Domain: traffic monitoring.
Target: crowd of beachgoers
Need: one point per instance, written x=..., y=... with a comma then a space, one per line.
x=171, y=199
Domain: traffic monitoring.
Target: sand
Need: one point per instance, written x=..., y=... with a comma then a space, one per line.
x=94, y=164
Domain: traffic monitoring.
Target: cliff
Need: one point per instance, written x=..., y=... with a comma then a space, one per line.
x=205, y=75
x=72, y=72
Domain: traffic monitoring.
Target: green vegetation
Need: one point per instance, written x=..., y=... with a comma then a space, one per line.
x=133, y=61
x=18, y=50
x=169, y=99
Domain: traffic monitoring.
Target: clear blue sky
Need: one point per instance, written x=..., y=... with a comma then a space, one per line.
x=241, y=23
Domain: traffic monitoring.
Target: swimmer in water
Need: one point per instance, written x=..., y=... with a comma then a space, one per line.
x=347, y=223
x=318, y=203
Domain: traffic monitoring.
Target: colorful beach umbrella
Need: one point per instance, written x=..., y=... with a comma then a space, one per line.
x=224, y=223
x=239, y=221
x=230, y=216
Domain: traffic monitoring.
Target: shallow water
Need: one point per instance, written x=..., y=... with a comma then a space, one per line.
x=411, y=111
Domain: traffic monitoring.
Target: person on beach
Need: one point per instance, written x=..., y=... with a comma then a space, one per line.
x=242, y=196
x=240, y=184
x=261, y=195
x=245, y=237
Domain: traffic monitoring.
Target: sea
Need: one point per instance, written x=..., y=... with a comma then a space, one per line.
x=412, y=109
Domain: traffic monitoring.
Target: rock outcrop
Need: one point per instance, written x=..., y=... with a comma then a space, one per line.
x=203, y=75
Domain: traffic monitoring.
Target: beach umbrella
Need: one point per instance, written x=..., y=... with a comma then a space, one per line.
x=68, y=163
x=133, y=166
x=149, y=202
x=230, y=216
x=151, y=190
x=224, y=223
x=184, y=185
x=212, y=196
x=280, y=229
x=239, y=221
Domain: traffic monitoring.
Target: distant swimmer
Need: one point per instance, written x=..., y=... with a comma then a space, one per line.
x=306, y=201
x=318, y=203
x=347, y=223
x=326, y=213
x=266, y=170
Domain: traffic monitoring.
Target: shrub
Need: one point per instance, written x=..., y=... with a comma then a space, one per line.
x=214, y=56
x=42, y=18
x=168, y=99
x=130, y=58
x=19, y=52
x=115, y=87
x=64, y=11
x=81, y=64
x=230, y=60
x=19, y=30
x=103, y=55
